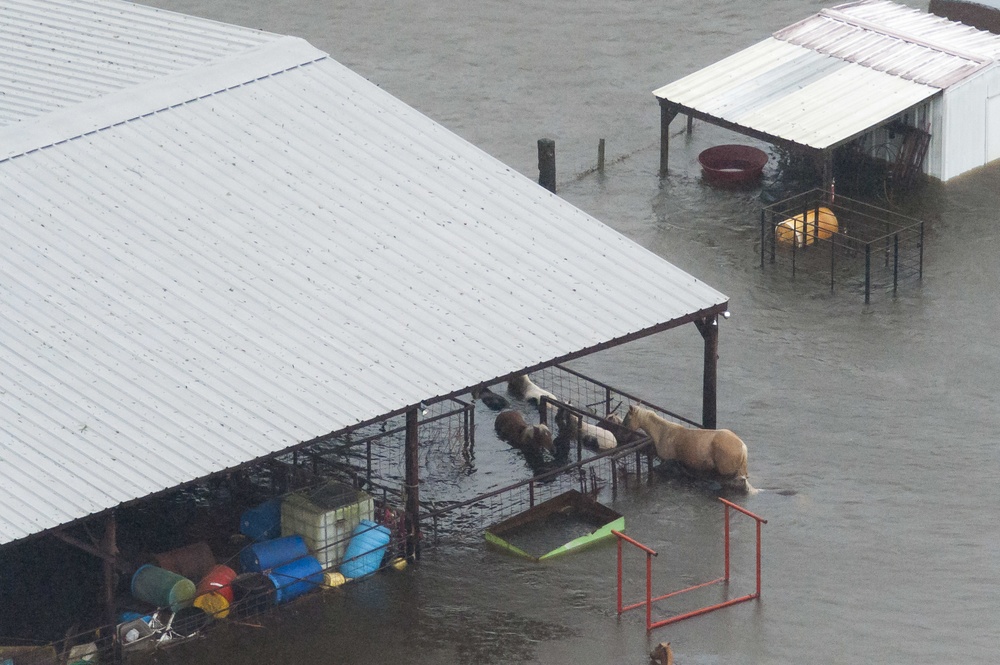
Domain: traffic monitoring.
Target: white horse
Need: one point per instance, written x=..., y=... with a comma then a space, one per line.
x=589, y=435
x=711, y=452
x=524, y=388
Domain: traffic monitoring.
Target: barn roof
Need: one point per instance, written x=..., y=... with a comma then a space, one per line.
x=826, y=79
x=221, y=243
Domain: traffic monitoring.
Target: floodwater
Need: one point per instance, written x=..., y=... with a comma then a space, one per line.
x=878, y=422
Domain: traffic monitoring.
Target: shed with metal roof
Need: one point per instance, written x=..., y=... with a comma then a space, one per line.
x=221, y=244
x=868, y=73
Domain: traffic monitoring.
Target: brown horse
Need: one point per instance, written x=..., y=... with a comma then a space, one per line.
x=511, y=427
x=712, y=452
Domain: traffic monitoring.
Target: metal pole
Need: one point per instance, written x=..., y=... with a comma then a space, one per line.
x=649, y=590
x=619, y=575
x=833, y=258
x=758, y=558
x=727, y=544
x=868, y=272
x=368, y=462
x=921, y=250
x=763, y=222
x=600, y=156
x=895, y=262
x=795, y=245
x=773, y=239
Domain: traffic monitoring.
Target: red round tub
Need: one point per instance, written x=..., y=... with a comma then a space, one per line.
x=732, y=164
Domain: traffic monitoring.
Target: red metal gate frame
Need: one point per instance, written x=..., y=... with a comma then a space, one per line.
x=650, y=625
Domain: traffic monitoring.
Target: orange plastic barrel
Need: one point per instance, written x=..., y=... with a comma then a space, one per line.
x=219, y=578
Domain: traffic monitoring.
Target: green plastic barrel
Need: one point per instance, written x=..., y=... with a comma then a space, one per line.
x=162, y=588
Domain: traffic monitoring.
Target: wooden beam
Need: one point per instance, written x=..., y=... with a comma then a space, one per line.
x=109, y=545
x=412, y=485
x=709, y=329
x=90, y=549
x=667, y=113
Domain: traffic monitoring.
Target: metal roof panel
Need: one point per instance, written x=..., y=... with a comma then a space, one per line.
x=191, y=282
x=794, y=93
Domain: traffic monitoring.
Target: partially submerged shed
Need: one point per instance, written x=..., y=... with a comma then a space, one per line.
x=872, y=73
x=222, y=245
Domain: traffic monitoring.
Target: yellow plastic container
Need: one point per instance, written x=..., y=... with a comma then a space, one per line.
x=214, y=604
x=332, y=580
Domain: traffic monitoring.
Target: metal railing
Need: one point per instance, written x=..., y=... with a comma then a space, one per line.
x=650, y=553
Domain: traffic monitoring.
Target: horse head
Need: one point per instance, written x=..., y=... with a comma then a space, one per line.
x=628, y=422
x=539, y=436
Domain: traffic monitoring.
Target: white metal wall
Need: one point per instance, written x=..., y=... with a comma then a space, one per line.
x=964, y=127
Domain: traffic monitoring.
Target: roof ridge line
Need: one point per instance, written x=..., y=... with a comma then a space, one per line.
x=155, y=96
x=836, y=15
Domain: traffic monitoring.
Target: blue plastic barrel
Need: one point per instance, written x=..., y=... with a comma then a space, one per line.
x=293, y=579
x=272, y=553
x=365, y=551
x=262, y=522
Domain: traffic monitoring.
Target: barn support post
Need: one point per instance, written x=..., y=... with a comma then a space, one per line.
x=667, y=114
x=412, y=486
x=825, y=158
x=709, y=329
x=109, y=545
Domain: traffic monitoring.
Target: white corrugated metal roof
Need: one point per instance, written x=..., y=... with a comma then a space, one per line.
x=56, y=54
x=795, y=94
x=830, y=77
x=899, y=40
x=221, y=261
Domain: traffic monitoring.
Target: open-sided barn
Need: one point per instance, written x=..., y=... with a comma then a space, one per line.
x=221, y=245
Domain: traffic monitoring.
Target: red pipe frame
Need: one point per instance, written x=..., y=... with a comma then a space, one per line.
x=650, y=553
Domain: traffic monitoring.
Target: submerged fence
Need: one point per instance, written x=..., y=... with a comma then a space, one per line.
x=815, y=231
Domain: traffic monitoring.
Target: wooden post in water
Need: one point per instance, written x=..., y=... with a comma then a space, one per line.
x=547, y=164
x=412, y=486
x=709, y=329
x=109, y=545
x=667, y=114
x=600, y=156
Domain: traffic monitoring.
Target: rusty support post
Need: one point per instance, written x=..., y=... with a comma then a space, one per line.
x=412, y=485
